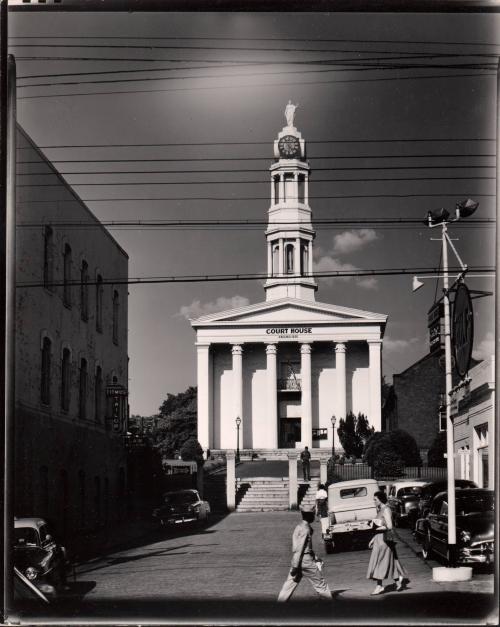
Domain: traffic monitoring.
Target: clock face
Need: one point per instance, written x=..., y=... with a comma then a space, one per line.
x=289, y=147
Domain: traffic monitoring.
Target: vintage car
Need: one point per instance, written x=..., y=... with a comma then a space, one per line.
x=37, y=555
x=351, y=510
x=433, y=488
x=403, y=498
x=475, y=521
x=26, y=593
x=182, y=506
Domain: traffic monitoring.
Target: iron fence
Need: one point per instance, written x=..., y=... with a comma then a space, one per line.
x=347, y=472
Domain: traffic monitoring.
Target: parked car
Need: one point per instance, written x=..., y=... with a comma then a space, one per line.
x=433, y=488
x=182, y=506
x=350, y=511
x=474, y=523
x=37, y=555
x=403, y=498
x=26, y=593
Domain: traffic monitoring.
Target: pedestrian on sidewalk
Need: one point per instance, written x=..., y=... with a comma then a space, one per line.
x=384, y=562
x=304, y=562
x=305, y=457
x=322, y=507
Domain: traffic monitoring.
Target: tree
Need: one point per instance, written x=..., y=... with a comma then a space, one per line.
x=353, y=431
x=191, y=451
x=177, y=422
x=400, y=442
x=388, y=463
x=435, y=455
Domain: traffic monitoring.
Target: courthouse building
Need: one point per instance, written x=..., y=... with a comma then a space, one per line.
x=286, y=365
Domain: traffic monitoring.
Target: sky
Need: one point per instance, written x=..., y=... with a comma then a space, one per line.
x=197, y=143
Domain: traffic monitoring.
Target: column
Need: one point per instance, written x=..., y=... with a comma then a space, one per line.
x=292, y=479
x=230, y=480
x=340, y=352
x=280, y=260
x=269, y=259
x=323, y=468
x=237, y=352
x=310, y=258
x=273, y=199
x=306, y=190
x=305, y=370
x=296, y=260
x=203, y=377
x=375, y=417
x=282, y=188
x=272, y=400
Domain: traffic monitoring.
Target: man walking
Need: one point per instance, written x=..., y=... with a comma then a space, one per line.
x=305, y=457
x=304, y=562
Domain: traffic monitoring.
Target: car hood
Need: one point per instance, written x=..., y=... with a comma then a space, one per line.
x=409, y=497
x=29, y=556
x=480, y=526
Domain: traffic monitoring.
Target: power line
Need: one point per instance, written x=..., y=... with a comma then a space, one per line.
x=275, y=84
x=254, y=276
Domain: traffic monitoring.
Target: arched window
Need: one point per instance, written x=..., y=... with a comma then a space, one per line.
x=98, y=303
x=48, y=257
x=289, y=258
x=276, y=256
x=116, y=311
x=67, y=275
x=276, y=181
x=98, y=394
x=65, y=379
x=45, y=371
x=302, y=187
x=304, y=259
x=84, y=291
x=82, y=405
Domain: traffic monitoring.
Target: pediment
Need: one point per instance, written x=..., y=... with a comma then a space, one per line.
x=289, y=310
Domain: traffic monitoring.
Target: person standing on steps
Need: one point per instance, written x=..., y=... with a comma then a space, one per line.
x=384, y=562
x=304, y=562
x=305, y=458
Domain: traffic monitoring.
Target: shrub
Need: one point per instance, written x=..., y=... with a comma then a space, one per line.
x=192, y=451
x=435, y=455
x=388, y=463
x=399, y=441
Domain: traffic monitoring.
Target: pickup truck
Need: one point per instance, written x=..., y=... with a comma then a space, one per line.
x=350, y=511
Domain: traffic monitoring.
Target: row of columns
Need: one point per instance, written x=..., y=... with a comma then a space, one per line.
x=280, y=270
x=293, y=483
x=282, y=193
x=205, y=381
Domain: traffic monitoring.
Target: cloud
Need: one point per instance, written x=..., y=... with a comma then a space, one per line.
x=399, y=345
x=330, y=264
x=485, y=348
x=351, y=241
x=197, y=309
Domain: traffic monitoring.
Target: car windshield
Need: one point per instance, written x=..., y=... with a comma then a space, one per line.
x=474, y=504
x=180, y=498
x=414, y=489
x=25, y=535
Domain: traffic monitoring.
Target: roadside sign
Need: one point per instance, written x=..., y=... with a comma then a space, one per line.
x=463, y=329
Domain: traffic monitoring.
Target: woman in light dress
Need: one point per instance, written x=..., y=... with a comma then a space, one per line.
x=384, y=562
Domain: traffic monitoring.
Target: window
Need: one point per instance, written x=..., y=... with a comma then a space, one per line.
x=45, y=378
x=84, y=291
x=443, y=511
x=276, y=255
x=116, y=311
x=98, y=303
x=65, y=379
x=48, y=257
x=304, y=259
x=67, y=275
x=289, y=258
x=276, y=181
x=82, y=406
x=302, y=187
x=98, y=394
x=350, y=493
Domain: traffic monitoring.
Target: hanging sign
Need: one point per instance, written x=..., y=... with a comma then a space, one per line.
x=463, y=329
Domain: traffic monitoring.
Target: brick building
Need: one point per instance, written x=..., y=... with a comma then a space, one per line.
x=71, y=356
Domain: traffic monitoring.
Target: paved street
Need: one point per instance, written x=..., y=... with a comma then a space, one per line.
x=237, y=566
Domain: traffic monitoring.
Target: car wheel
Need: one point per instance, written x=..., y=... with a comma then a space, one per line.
x=329, y=546
x=427, y=547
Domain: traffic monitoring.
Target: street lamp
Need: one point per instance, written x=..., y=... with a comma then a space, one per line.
x=238, y=423
x=441, y=217
x=334, y=420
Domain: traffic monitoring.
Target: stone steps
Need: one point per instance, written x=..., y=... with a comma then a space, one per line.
x=263, y=495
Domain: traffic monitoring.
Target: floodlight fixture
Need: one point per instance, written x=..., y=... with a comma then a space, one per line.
x=466, y=208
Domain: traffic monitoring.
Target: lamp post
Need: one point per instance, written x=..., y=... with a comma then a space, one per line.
x=334, y=420
x=238, y=423
x=441, y=218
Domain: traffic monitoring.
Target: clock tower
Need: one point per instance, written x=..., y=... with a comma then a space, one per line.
x=289, y=231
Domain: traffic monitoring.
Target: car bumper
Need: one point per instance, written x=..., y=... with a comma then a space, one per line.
x=477, y=555
x=178, y=520
x=348, y=527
